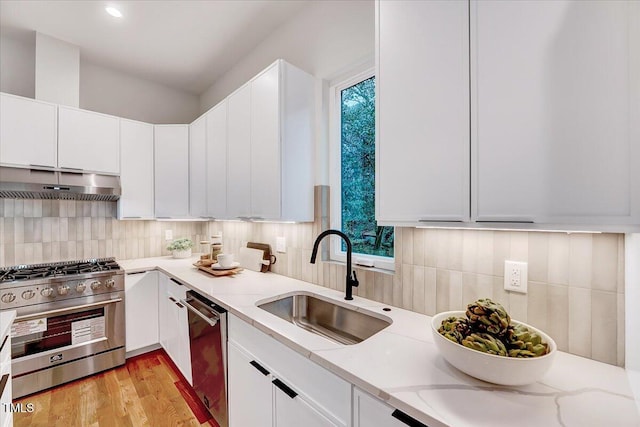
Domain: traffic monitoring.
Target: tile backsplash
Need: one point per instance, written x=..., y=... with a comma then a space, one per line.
x=575, y=289
x=35, y=231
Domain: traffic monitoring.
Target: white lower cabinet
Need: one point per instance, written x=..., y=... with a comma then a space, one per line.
x=294, y=411
x=271, y=385
x=141, y=309
x=369, y=411
x=174, y=324
x=249, y=387
x=6, y=416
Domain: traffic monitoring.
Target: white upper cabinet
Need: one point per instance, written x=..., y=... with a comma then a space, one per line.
x=217, y=161
x=198, y=168
x=136, y=170
x=28, y=132
x=171, y=154
x=265, y=144
x=270, y=146
x=422, y=112
x=282, y=120
x=556, y=111
x=239, y=153
x=88, y=141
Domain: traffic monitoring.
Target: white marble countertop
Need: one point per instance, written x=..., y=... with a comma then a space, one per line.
x=402, y=365
x=6, y=319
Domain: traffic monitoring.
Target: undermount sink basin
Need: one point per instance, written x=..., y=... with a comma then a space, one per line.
x=338, y=323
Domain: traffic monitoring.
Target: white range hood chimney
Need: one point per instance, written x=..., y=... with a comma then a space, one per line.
x=57, y=71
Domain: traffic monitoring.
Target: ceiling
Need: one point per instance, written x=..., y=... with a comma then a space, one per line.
x=183, y=44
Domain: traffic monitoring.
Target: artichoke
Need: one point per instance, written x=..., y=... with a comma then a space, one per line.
x=487, y=316
x=485, y=343
x=454, y=328
x=523, y=342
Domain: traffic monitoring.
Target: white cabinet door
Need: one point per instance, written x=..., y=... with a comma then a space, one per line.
x=250, y=390
x=265, y=145
x=6, y=416
x=422, y=112
x=178, y=341
x=136, y=170
x=28, y=132
x=88, y=141
x=369, y=411
x=323, y=398
x=556, y=89
x=239, y=153
x=141, y=309
x=171, y=171
x=164, y=327
x=198, y=168
x=174, y=324
x=217, y=161
x=296, y=411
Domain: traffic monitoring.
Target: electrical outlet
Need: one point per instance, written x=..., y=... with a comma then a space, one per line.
x=515, y=276
x=168, y=235
x=281, y=245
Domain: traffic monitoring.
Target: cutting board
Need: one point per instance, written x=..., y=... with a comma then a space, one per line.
x=266, y=250
x=213, y=272
x=251, y=258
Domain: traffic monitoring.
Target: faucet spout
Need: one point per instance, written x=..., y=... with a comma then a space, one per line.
x=351, y=280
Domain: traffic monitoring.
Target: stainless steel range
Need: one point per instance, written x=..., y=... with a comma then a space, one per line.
x=69, y=324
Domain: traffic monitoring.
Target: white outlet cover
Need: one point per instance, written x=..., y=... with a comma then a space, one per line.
x=281, y=245
x=168, y=235
x=515, y=276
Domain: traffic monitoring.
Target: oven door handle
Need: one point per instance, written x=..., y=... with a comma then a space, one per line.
x=63, y=310
x=211, y=322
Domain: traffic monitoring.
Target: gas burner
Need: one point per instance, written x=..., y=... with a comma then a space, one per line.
x=38, y=271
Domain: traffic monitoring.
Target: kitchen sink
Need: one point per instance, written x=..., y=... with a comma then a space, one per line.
x=339, y=323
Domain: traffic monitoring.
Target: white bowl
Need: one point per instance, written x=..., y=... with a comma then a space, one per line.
x=490, y=367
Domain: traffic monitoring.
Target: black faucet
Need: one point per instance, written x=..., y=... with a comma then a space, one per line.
x=351, y=282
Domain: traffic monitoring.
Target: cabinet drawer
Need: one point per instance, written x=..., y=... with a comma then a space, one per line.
x=326, y=389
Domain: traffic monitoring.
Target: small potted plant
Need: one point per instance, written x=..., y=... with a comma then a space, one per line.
x=181, y=248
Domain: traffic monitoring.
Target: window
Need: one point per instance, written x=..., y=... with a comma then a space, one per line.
x=353, y=173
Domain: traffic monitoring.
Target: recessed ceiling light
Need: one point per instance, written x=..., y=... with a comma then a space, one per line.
x=113, y=11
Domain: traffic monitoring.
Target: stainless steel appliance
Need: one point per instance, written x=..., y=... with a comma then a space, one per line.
x=69, y=324
x=208, y=338
x=23, y=183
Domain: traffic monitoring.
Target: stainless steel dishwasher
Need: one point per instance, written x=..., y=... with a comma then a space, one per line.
x=208, y=338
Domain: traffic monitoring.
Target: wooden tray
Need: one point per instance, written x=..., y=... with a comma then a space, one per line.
x=218, y=272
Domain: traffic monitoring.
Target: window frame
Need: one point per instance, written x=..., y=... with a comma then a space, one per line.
x=335, y=169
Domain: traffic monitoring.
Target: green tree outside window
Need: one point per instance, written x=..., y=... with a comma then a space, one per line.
x=358, y=172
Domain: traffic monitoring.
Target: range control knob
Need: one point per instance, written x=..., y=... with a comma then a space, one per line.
x=28, y=294
x=63, y=290
x=46, y=292
x=110, y=283
x=80, y=287
x=8, y=297
x=95, y=284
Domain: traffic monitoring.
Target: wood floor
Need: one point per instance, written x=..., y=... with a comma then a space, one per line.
x=147, y=391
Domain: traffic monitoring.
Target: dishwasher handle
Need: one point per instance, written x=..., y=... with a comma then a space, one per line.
x=212, y=321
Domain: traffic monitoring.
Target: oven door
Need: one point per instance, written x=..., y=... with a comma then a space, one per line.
x=47, y=335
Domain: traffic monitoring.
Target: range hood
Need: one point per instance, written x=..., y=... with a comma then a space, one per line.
x=18, y=183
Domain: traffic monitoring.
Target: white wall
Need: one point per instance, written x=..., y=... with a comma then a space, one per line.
x=57, y=71
x=325, y=39
x=113, y=92
x=322, y=39
x=632, y=296
x=632, y=315
x=18, y=64
x=101, y=89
